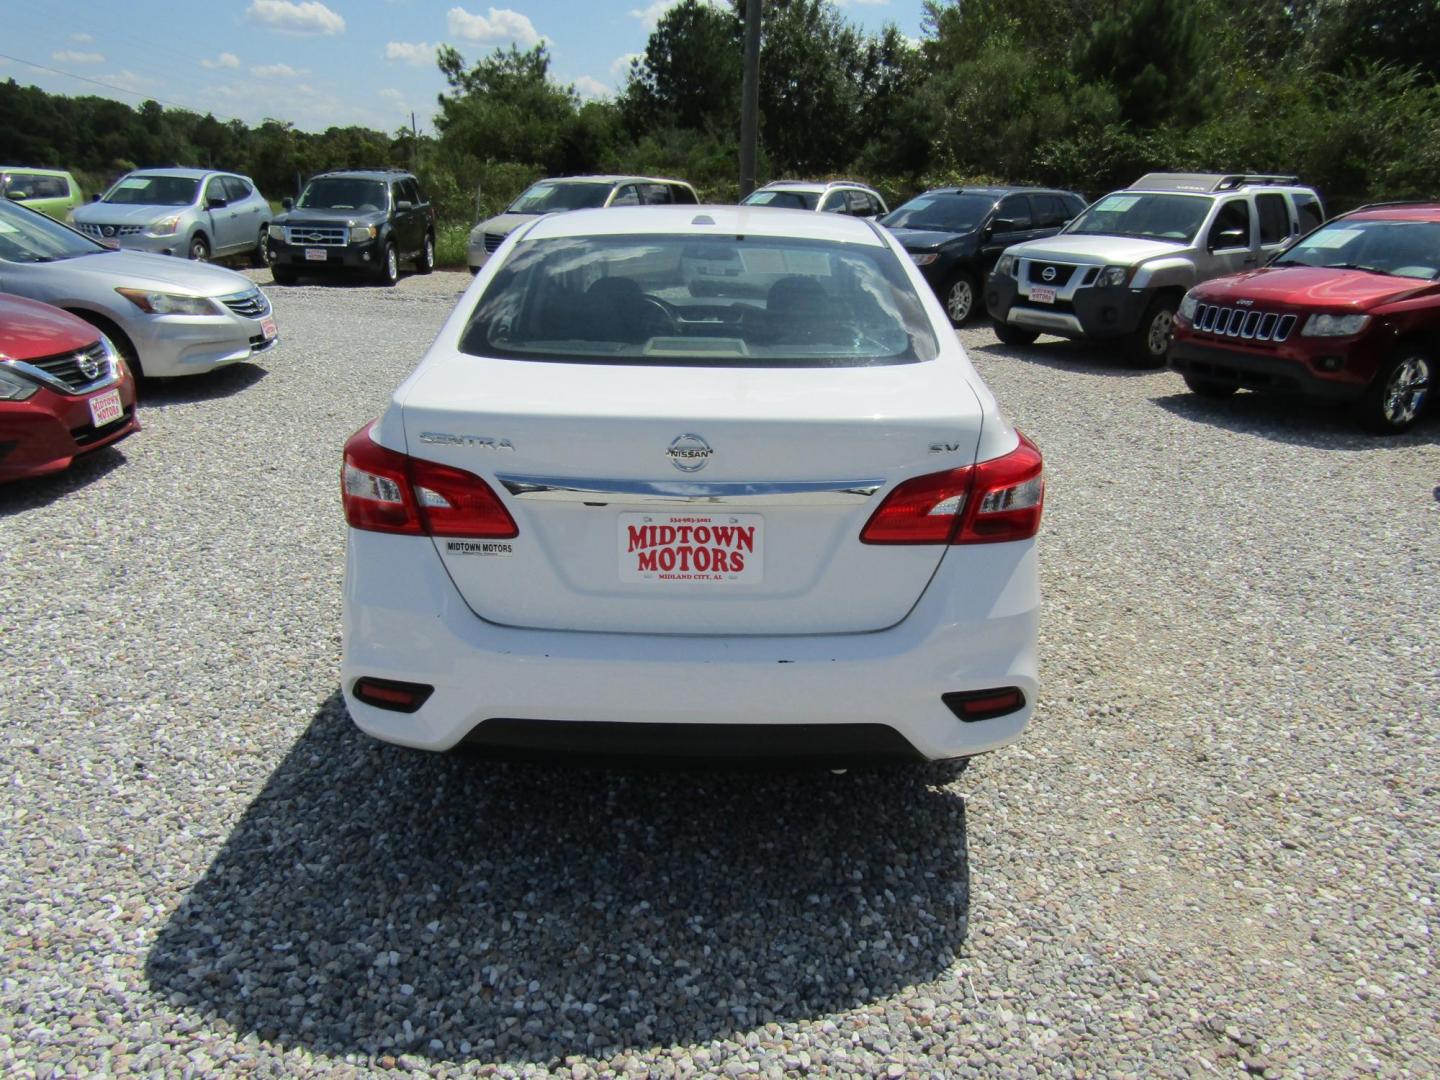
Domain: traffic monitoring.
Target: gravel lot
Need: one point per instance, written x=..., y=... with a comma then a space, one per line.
x=1215, y=851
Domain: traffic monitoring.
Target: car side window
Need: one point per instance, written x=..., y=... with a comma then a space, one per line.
x=1015, y=209
x=215, y=189
x=655, y=194
x=1274, y=217
x=236, y=189
x=1049, y=211
x=412, y=190
x=396, y=193
x=835, y=203
x=628, y=195
x=1234, y=216
x=1307, y=207
x=681, y=194
x=860, y=204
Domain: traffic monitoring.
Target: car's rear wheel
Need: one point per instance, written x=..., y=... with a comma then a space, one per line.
x=1015, y=335
x=1397, y=395
x=389, y=269
x=425, y=261
x=260, y=257
x=959, y=298
x=199, y=248
x=1209, y=388
x=283, y=275
x=1150, y=342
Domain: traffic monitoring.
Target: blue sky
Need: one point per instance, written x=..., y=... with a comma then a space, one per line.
x=319, y=63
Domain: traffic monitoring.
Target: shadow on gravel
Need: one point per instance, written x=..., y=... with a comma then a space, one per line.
x=20, y=495
x=373, y=899
x=187, y=389
x=1294, y=421
x=1064, y=355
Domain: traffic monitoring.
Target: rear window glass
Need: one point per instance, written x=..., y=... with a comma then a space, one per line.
x=722, y=301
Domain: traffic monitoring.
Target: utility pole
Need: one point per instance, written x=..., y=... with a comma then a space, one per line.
x=750, y=98
x=414, y=144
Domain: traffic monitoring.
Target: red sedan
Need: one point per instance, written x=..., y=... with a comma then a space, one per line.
x=64, y=390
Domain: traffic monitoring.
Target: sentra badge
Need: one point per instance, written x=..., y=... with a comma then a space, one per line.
x=484, y=442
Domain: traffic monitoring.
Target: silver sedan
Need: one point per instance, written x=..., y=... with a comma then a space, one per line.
x=166, y=316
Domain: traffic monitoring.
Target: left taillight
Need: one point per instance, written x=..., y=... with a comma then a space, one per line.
x=986, y=503
x=386, y=491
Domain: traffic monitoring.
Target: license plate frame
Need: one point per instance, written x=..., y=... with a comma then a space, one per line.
x=667, y=549
x=106, y=408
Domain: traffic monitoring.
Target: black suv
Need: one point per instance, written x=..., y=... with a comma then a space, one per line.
x=363, y=220
x=955, y=234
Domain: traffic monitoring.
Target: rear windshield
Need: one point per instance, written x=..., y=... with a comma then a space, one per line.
x=786, y=200
x=943, y=211
x=343, y=193
x=1149, y=217
x=1402, y=248
x=722, y=301
x=154, y=191
x=547, y=197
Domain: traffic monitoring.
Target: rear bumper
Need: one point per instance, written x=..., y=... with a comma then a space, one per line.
x=1274, y=373
x=974, y=628
x=1094, y=312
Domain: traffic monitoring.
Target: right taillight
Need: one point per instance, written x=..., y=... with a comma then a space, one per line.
x=386, y=491
x=988, y=503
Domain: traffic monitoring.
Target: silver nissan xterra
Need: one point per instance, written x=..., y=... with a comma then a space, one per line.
x=1120, y=268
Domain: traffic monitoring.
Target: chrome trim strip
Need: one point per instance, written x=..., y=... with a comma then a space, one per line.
x=595, y=492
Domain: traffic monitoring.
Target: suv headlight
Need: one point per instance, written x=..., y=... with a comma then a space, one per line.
x=1322, y=325
x=165, y=226
x=1188, y=303
x=162, y=303
x=359, y=234
x=14, y=386
x=1006, y=266
x=275, y=232
x=1111, y=276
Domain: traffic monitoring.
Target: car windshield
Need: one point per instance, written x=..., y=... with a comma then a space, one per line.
x=714, y=301
x=1402, y=248
x=1149, y=217
x=787, y=200
x=342, y=193
x=548, y=196
x=943, y=211
x=29, y=237
x=153, y=191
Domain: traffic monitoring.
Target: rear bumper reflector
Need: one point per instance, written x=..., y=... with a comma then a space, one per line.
x=972, y=705
x=389, y=694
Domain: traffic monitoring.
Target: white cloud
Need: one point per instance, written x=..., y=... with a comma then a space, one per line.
x=277, y=71
x=128, y=80
x=414, y=53
x=74, y=56
x=652, y=15
x=620, y=67
x=224, y=60
x=82, y=39
x=590, y=88
x=502, y=25
x=308, y=17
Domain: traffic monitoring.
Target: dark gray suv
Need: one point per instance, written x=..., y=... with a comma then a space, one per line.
x=358, y=220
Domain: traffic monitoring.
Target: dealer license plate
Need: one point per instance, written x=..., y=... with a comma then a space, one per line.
x=267, y=327
x=686, y=548
x=1042, y=294
x=106, y=408
x=316, y=254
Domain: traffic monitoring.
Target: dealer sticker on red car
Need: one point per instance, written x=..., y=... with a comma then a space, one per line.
x=106, y=408
x=720, y=549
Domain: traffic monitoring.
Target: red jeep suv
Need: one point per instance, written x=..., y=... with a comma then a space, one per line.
x=1351, y=312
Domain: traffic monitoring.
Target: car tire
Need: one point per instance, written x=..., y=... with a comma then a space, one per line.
x=958, y=297
x=389, y=269
x=1015, y=335
x=260, y=257
x=1148, y=346
x=1398, y=394
x=283, y=275
x=1209, y=388
x=199, y=249
x=425, y=261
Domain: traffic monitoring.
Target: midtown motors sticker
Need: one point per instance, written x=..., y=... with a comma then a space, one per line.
x=725, y=549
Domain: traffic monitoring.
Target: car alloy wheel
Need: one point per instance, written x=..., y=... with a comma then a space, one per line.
x=1405, y=391
x=200, y=249
x=1162, y=326
x=960, y=299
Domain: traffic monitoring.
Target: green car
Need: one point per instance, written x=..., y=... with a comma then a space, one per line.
x=48, y=190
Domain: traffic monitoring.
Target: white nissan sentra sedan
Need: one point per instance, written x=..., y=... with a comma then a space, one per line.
x=703, y=481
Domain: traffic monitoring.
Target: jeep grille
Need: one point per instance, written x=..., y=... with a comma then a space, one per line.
x=1244, y=323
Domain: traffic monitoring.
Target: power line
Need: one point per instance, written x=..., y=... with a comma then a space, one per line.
x=111, y=86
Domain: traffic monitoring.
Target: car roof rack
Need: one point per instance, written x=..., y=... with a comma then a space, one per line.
x=819, y=183
x=1208, y=182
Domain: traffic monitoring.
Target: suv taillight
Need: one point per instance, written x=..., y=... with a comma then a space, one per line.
x=988, y=503
x=386, y=491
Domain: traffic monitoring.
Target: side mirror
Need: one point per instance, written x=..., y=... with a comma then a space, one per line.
x=1229, y=238
x=404, y=204
x=17, y=194
x=216, y=203
x=287, y=203
x=95, y=197
x=1001, y=224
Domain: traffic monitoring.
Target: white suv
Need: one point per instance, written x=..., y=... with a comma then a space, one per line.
x=697, y=481
x=1119, y=270
x=826, y=196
